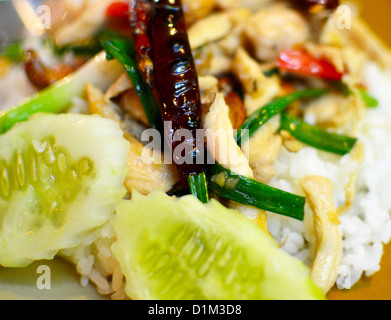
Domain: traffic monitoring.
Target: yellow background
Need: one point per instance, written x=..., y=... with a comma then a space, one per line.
x=377, y=13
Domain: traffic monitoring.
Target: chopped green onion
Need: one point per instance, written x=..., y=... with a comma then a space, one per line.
x=86, y=48
x=124, y=51
x=224, y=183
x=199, y=186
x=271, y=72
x=317, y=137
x=58, y=97
x=369, y=101
x=14, y=52
x=262, y=115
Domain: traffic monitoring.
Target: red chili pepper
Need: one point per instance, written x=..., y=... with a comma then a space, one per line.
x=140, y=18
x=301, y=62
x=177, y=82
x=118, y=10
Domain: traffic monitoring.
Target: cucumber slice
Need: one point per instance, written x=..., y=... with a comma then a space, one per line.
x=181, y=249
x=60, y=177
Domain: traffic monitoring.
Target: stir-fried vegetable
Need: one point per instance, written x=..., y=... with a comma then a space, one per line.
x=260, y=117
x=124, y=52
x=58, y=97
x=317, y=137
x=301, y=62
x=199, y=186
x=328, y=249
x=228, y=185
x=369, y=101
x=14, y=52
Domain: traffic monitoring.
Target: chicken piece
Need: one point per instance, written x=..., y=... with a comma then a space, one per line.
x=196, y=10
x=336, y=111
x=131, y=104
x=259, y=89
x=128, y=99
x=275, y=28
x=211, y=60
x=208, y=84
x=61, y=13
x=97, y=104
x=328, y=247
x=220, y=139
x=84, y=26
x=146, y=175
x=201, y=33
x=358, y=35
x=224, y=150
x=263, y=149
x=147, y=171
x=208, y=87
x=214, y=48
x=290, y=142
x=122, y=85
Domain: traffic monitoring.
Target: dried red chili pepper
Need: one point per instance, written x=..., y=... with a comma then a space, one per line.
x=317, y=5
x=177, y=82
x=140, y=18
x=117, y=14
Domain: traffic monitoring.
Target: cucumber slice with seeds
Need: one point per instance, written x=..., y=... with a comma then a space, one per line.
x=181, y=249
x=60, y=177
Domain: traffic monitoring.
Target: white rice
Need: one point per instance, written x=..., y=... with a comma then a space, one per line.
x=367, y=225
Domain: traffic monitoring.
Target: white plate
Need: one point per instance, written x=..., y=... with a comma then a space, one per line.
x=44, y=280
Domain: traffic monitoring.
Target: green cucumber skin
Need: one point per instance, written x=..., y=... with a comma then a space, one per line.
x=60, y=178
x=185, y=250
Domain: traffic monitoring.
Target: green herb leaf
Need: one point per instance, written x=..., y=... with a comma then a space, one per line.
x=228, y=185
x=317, y=137
x=14, y=52
x=58, y=97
